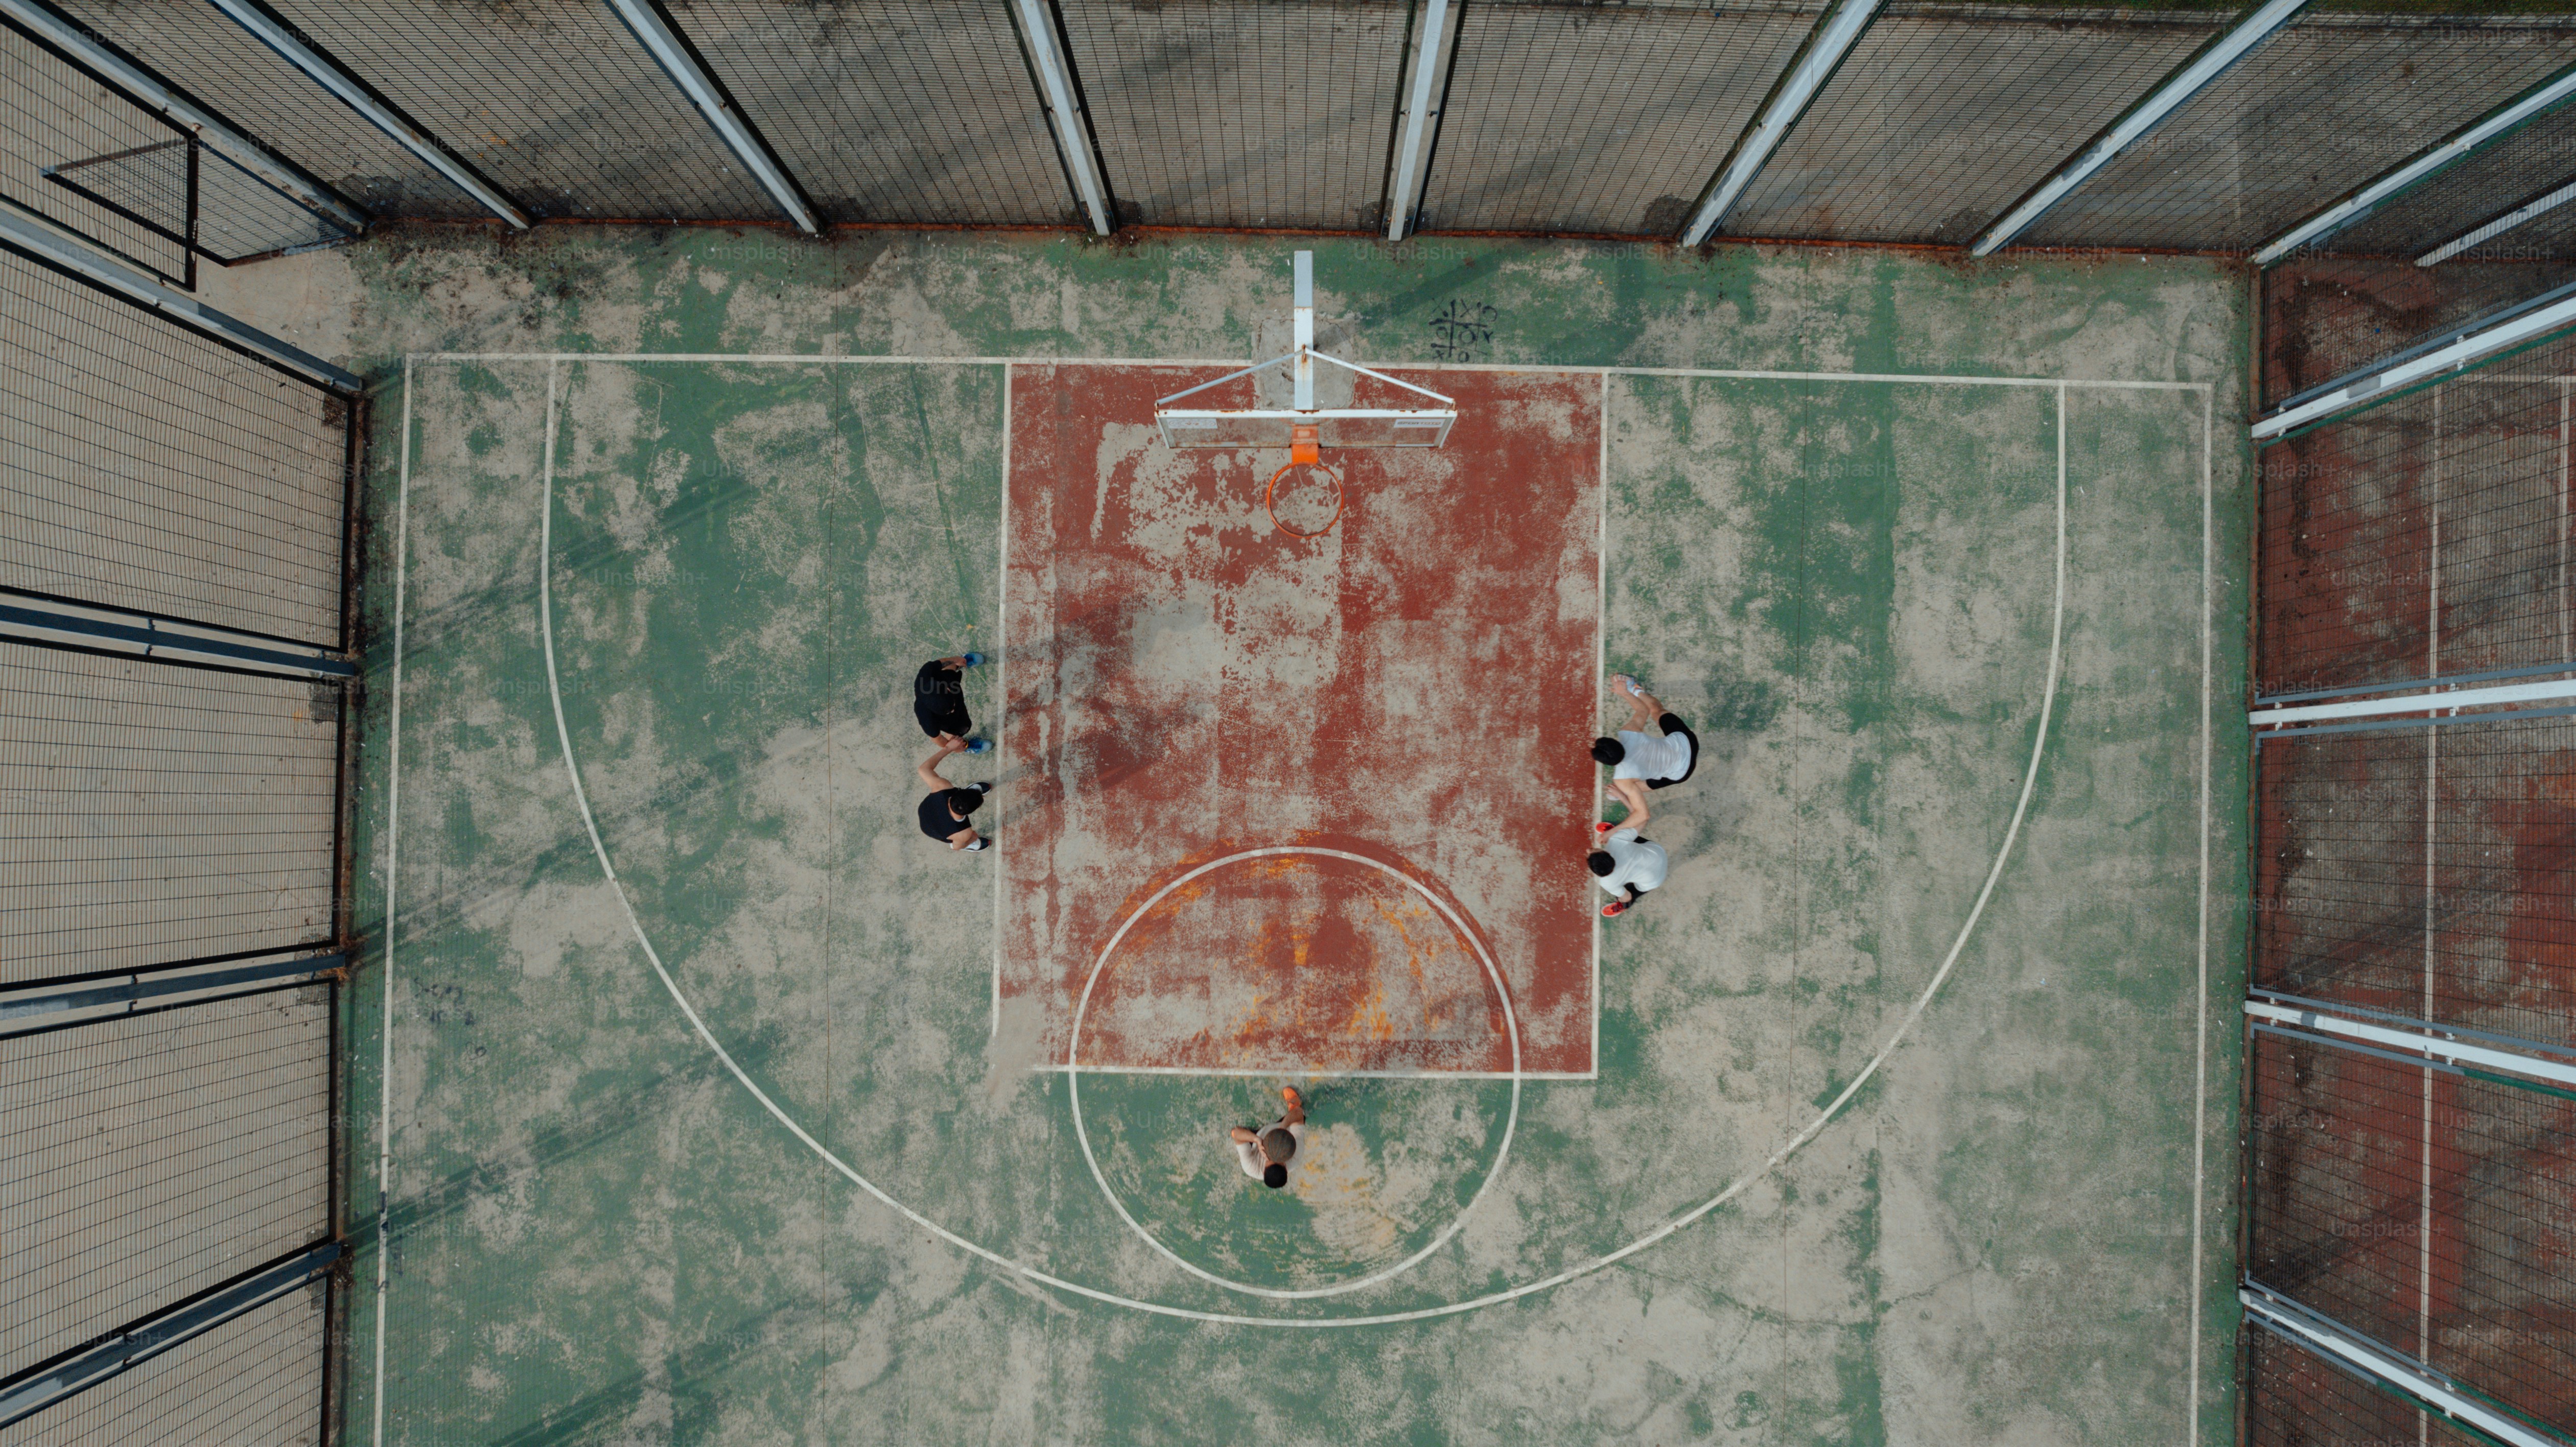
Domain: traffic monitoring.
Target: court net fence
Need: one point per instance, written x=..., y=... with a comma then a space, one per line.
x=175, y=663
x=2410, y=1133
x=1604, y=117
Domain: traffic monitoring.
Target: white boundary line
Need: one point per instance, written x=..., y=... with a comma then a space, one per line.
x=1896, y=1037
x=1600, y=664
x=1001, y=694
x=393, y=844
x=590, y=825
x=1073, y=1072
x=912, y=359
x=2200, y=1019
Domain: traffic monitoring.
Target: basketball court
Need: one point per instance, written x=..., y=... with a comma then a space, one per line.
x=726, y=1106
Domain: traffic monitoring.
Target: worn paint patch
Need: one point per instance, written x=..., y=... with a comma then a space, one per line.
x=1185, y=682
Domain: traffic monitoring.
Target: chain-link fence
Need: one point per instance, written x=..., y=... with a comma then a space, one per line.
x=2329, y=103
x=149, y=1157
x=1607, y=117
x=198, y=48
x=2421, y=1207
x=1603, y=119
x=2291, y=1393
x=174, y=591
x=2427, y=538
x=1946, y=113
x=841, y=91
x=2415, y=869
x=223, y=1386
x=149, y=467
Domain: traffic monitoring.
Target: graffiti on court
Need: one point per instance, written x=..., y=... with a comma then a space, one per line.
x=1462, y=330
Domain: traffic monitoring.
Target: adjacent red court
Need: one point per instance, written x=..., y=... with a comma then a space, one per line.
x=1410, y=696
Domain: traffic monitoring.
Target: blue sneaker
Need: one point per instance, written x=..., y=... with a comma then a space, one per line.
x=977, y=746
x=974, y=660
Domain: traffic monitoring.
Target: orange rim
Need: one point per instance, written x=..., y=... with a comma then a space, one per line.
x=1270, y=500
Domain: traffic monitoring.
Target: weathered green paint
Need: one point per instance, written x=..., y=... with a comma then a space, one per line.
x=1845, y=586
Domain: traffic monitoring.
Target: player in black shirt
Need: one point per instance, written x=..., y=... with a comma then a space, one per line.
x=943, y=813
x=939, y=700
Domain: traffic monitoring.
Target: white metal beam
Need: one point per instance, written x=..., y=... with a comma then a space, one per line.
x=1413, y=137
x=30, y=240
x=2503, y=336
x=210, y=130
x=1833, y=40
x=2329, y=1339
x=2480, y=235
x=1301, y=315
x=340, y=83
x=677, y=61
x=2495, y=124
x=2419, y=1039
x=2145, y=116
x=1055, y=82
x=2413, y=703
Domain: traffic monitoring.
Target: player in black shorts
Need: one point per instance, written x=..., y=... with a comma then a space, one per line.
x=943, y=813
x=939, y=700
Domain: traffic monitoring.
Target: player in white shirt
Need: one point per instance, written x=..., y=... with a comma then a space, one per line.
x=1627, y=866
x=1640, y=761
x=1264, y=1154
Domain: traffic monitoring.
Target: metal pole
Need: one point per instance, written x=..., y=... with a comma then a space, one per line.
x=1037, y=25
x=1414, y=138
x=2325, y=1337
x=38, y=244
x=1302, y=314
x=2505, y=119
x=2159, y=106
x=1824, y=53
x=132, y=1346
x=2473, y=347
x=276, y=36
x=2485, y=232
x=71, y=39
x=681, y=64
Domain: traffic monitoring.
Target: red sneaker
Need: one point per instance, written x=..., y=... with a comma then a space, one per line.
x=1602, y=828
x=1288, y=1093
x=1614, y=909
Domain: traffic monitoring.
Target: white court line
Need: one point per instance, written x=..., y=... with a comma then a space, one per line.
x=914, y=359
x=2200, y=1020
x=393, y=842
x=1600, y=664
x=1001, y=695
x=1493, y=1172
x=2021, y=810
x=1314, y=1072
x=698, y=1025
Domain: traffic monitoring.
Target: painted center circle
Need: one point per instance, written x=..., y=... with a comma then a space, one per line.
x=1292, y=959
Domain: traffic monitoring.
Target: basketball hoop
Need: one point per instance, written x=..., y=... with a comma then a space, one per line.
x=1303, y=451
x=1307, y=428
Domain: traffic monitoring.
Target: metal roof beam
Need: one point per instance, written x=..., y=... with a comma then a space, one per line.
x=282, y=38
x=1420, y=121
x=2512, y=331
x=2196, y=74
x=211, y=130
x=2486, y=231
x=2496, y=124
x=679, y=60
x=1824, y=52
x=1064, y=113
x=2370, y=1360
x=42, y=245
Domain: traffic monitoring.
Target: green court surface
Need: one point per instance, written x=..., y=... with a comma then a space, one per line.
x=1900, y=1127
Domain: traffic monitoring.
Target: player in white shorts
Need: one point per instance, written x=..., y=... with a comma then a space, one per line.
x=1627, y=865
x=1264, y=1154
x=1640, y=761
